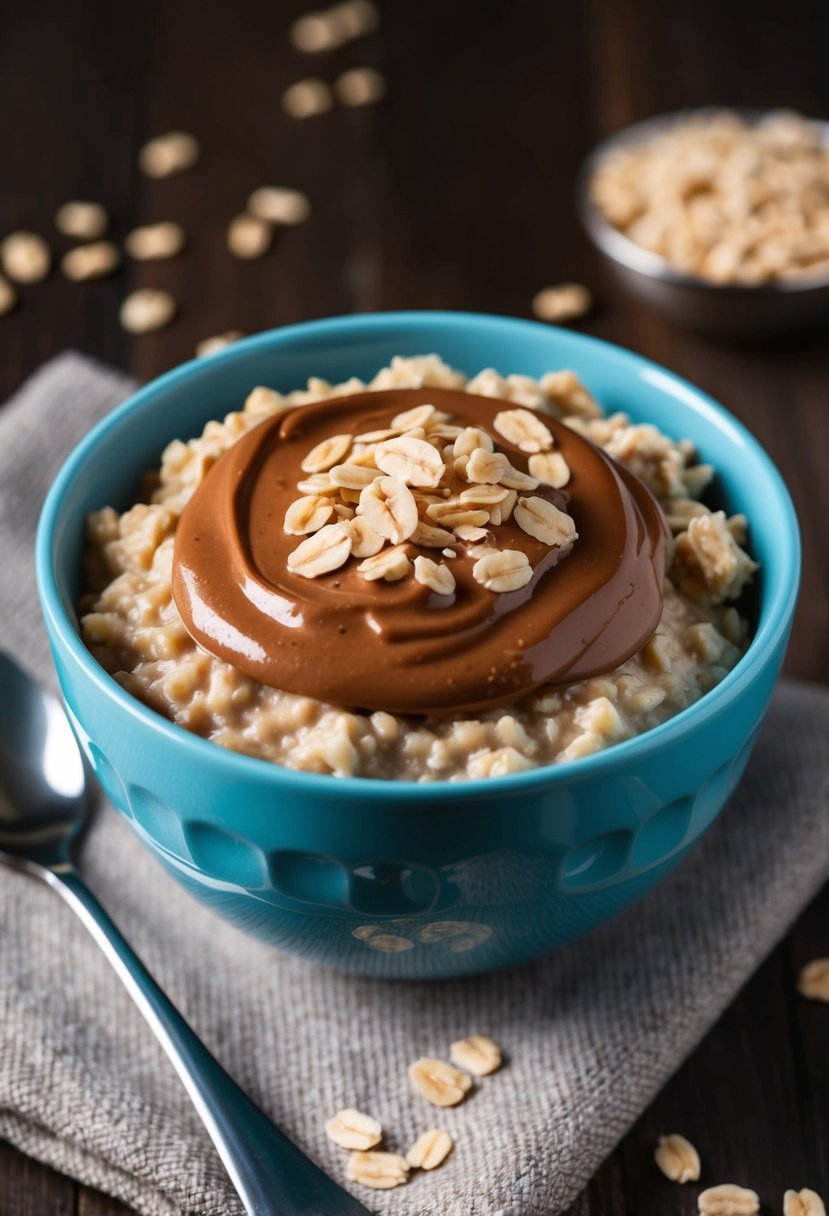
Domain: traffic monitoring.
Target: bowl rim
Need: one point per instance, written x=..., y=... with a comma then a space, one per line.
x=621, y=249
x=774, y=622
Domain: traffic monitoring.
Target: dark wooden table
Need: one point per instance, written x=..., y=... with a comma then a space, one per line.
x=456, y=192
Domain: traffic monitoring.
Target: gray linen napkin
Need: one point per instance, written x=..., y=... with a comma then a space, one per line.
x=591, y=1032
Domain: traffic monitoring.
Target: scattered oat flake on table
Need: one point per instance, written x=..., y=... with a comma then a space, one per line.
x=477, y=1054
x=147, y=309
x=94, y=261
x=439, y=1082
x=25, y=257
x=249, y=237
x=82, y=220
x=352, y=1129
x=333, y=27
x=313, y=33
x=677, y=1158
x=279, y=205
x=381, y=1171
x=803, y=1203
x=307, y=98
x=212, y=346
x=8, y=296
x=359, y=87
x=813, y=980
x=566, y=302
x=170, y=153
x=430, y=1149
x=155, y=242
x=728, y=1199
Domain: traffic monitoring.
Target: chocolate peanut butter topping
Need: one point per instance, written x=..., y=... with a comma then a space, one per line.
x=416, y=584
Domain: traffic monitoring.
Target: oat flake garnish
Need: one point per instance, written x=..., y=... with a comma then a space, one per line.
x=525, y=429
x=418, y=415
x=389, y=507
x=414, y=461
x=326, y=454
x=550, y=468
x=365, y=542
x=435, y=575
x=388, y=564
x=545, y=522
x=327, y=550
x=504, y=570
x=308, y=514
x=488, y=467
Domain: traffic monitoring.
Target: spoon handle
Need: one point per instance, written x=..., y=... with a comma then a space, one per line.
x=271, y=1175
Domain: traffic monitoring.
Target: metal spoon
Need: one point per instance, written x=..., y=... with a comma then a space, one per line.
x=43, y=808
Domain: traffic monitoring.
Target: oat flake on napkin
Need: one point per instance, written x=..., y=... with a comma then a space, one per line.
x=591, y=1032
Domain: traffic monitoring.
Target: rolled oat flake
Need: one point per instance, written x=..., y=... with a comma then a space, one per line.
x=146, y=310
x=155, y=242
x=83, y=220
x=26, y=257
x=8, y=296
x=307, y=98
x=170, y=153
x=279, y=205
x=94, y=261
x=360, y=87
x=249, y=237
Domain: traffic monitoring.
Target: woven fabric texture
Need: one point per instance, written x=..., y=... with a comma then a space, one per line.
x=590, y=1033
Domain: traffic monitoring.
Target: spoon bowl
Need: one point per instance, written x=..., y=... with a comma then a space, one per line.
x=43, y=793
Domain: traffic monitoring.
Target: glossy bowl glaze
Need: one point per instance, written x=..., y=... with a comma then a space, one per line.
x=723, y=310
x=399, y=879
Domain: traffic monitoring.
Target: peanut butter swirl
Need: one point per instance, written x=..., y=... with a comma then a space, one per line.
x=444, y=640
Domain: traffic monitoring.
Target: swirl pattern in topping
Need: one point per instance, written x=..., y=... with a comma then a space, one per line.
x=334, y=554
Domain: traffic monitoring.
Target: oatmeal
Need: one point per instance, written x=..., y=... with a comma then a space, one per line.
x=683, y=637
x=725, y=199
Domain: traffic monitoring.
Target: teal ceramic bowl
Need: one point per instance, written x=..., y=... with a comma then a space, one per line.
x=398, y=879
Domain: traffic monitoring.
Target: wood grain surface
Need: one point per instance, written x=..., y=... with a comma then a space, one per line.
x=455, y=192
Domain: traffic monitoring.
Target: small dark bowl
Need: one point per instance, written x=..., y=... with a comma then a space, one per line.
x=719, y=310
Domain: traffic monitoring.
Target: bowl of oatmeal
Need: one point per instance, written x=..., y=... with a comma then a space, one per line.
x=718, y=218
x=410, y=665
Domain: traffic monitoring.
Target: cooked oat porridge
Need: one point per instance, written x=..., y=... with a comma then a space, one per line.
x=447, y=557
